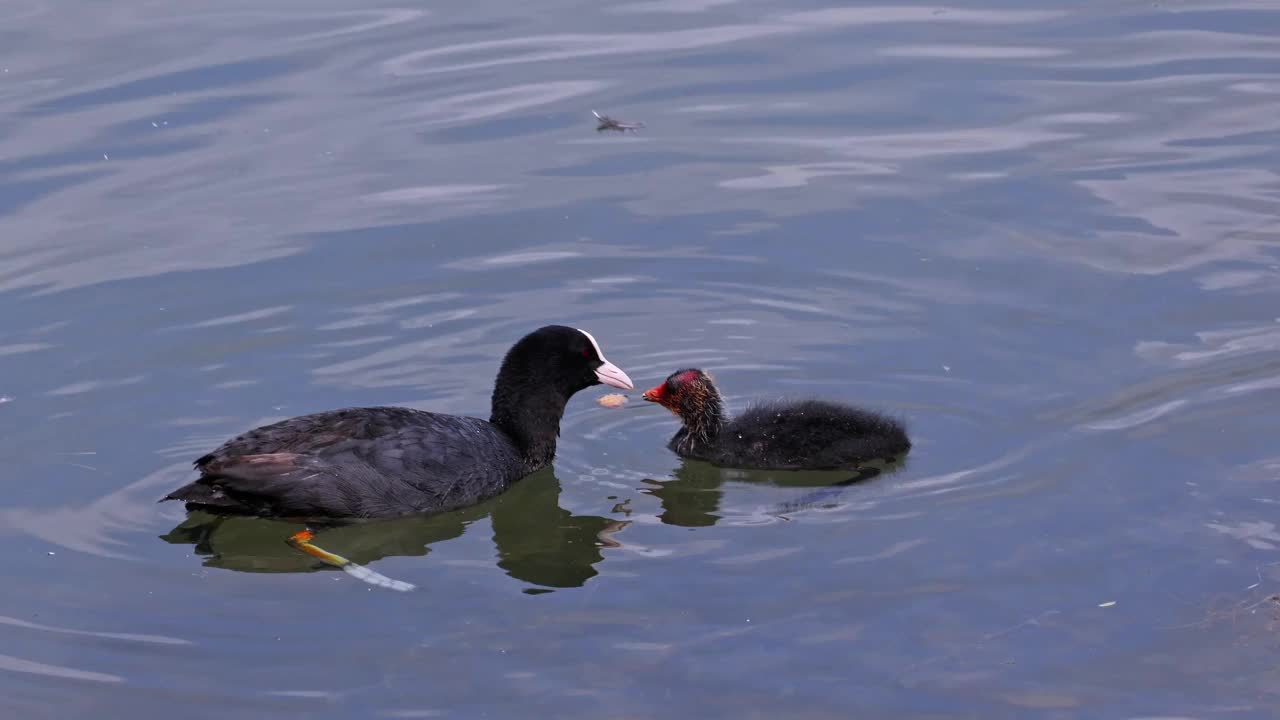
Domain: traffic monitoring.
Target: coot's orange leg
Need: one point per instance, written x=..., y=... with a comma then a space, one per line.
x=302, y=541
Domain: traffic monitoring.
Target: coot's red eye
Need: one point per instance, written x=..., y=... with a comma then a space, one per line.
x=586, y=353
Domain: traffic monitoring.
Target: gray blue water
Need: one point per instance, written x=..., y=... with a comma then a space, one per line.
x=1045, y=234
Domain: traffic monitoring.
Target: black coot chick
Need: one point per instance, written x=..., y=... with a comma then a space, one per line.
x=796, y=435
x=389, y=461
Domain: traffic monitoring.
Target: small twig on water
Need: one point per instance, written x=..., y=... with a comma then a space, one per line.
x=608, y=123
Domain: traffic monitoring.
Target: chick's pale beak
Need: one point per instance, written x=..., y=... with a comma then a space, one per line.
x=612, y=375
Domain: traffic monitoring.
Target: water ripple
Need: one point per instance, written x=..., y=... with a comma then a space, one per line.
x=130, y=637
x=560, y=47
x=468, y=107
x=1046, y=236
x=22, y=665
x=971, y=52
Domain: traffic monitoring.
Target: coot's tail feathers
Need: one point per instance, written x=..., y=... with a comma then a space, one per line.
x=879, y=436
x=189, y=491
x=869, y=435
x=197, y=494
x=890, y=441
x=224, y=479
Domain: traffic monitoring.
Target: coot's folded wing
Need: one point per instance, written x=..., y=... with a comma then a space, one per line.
x=309, y=433
x=364, y=462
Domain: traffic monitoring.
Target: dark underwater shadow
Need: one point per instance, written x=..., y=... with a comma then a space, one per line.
x=537, y=541
x=693, y=497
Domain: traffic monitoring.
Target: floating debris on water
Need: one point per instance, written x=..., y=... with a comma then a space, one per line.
x=608, y=123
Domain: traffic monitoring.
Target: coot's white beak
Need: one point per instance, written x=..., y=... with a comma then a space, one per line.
x=612, y=375
x=608, y=373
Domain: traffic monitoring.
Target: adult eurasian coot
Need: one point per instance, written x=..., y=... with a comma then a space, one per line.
x=796, y=435
x=389, y=461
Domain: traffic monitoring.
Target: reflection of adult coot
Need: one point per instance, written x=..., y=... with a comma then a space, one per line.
x=538, y=541
x=693, y=497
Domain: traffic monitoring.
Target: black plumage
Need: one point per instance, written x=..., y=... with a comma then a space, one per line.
x=390, y=461
x=783, y=435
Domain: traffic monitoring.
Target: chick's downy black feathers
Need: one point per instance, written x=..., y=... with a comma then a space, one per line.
x=783, y=435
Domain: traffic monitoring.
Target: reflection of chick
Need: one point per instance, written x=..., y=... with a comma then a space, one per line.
x=801, y=435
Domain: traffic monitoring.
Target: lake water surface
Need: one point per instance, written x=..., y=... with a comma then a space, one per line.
x=1045, y=234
